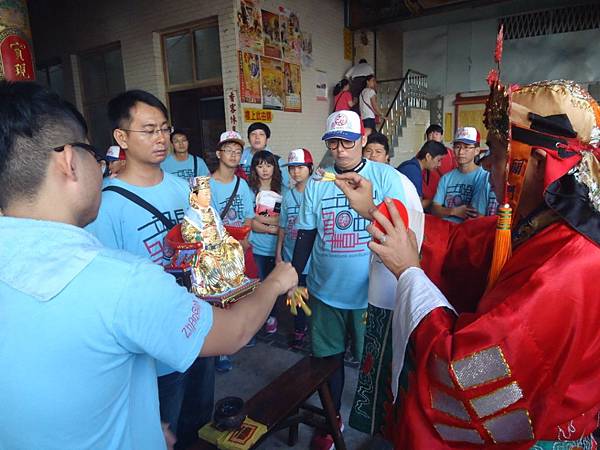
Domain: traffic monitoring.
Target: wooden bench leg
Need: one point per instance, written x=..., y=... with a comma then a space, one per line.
x=293, y=433
x=330, y=415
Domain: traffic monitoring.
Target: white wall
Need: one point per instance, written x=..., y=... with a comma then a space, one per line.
x=136, y=25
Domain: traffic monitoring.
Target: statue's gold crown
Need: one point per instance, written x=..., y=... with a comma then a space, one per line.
x=199, y=183
x=496, y=116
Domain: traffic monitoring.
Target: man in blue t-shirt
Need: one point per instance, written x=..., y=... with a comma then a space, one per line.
x=181, y=163
x=465, y=192
x=95, y=319
x=140, y=127
x=336, y=238
x=429, y=158
x=258, y=138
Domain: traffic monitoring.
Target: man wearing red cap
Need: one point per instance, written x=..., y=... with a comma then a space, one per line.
x=518, y=368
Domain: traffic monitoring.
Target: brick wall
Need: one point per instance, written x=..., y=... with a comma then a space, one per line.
x=136, y=24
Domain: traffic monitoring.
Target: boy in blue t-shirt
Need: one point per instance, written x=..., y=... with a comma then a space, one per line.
x=300, y=167
x=335, y=237
x=237, y=211
x=465, y=192
x=180, y=162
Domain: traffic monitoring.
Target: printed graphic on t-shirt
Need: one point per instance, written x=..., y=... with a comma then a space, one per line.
x=344, y=231
x=184, y=173
x=458, y=195
x=492, y=206
x=156, y=232
x=235, y=215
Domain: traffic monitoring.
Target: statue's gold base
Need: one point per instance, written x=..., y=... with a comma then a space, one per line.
x=228, y=298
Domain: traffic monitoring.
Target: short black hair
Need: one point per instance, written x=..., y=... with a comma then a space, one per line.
x=119, y=108
x=362, y=60
x=379, y=138
x=432, y=148
x=178, y=131
x=434, y=127
x=33, y=121
x=259, y=126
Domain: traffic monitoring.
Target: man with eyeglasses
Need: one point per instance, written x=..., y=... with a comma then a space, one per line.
x=82, y=324
x=181, y=162
x=142, y=130
x=465, y=192
x=335, y=237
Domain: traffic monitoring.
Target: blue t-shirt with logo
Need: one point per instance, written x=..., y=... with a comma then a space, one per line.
x=185, y=169
x=242, y=207
x=264, y=244
x=125, y=225
x=94, y=320
x=288, y=220
x=246, y=162
x=339, y=269
x=456, y=189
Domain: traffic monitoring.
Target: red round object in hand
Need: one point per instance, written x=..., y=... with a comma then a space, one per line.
x=383, y=209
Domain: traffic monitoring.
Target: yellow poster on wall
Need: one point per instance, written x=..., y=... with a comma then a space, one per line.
x=472, y=116
x=258, y=115
x=293, y=87
x=272, y=83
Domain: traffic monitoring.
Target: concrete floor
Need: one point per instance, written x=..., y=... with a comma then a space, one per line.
x=254, y=368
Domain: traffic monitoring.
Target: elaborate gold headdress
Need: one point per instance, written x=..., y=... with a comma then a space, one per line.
x=199, y=183
x=557, y=116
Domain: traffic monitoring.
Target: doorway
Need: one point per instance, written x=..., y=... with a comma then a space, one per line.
x=200, y=112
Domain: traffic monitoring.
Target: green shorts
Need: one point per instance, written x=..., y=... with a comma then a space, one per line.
x=330, y=329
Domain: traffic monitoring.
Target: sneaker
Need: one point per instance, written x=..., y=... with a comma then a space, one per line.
x=271, y=325
x=325, y=441
x=251, y=343
x=299, y=338
x=223, y=364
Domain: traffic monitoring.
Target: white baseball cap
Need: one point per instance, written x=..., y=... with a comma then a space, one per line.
x=467, y=135
x=344, y=125
x=230, y=136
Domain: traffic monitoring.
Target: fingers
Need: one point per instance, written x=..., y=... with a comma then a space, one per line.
x=383, y=221
x=394, y=214
x=375, y=232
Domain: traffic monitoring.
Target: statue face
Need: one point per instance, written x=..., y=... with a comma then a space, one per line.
x=200, y=198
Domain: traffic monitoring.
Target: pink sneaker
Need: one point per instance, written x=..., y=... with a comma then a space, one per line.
x=271, y=325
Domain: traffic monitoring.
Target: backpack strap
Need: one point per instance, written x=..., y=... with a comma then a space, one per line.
x=168, y=223
x=231, y=199
x=195, y=165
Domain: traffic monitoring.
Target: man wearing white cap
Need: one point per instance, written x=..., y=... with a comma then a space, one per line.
x=231, y=198
x=465, y=192
x=335, y=237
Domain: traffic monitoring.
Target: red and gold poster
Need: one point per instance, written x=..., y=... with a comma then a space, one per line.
x=250, y=28
x=293, y=87
x=249, y=68
x=272, y=83
x=272, y=34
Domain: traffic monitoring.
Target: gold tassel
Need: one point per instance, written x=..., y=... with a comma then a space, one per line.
x=502, y=244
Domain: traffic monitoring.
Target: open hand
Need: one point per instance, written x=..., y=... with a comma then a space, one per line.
x=397, y=246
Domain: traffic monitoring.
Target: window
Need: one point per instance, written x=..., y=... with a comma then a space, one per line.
x=51, y=76
x=102, y=78
x=193, y=56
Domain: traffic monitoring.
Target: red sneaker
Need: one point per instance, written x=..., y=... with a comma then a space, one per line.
x=325, y=441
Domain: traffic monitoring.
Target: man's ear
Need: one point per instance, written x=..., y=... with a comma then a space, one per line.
x=121, y=137
x=363, y=141
x=66, y=162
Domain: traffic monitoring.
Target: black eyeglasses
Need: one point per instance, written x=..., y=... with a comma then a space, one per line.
x=89, y=148
x=153, y=134
x=333, y=144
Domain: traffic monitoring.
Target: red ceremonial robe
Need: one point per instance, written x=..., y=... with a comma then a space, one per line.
x=524, y=366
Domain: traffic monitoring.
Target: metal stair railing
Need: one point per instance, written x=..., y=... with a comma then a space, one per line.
x=401, y=95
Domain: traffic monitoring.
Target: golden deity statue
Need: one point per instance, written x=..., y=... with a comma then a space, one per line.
x=218, y=266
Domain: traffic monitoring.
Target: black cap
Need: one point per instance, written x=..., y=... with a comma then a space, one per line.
x=259, y=126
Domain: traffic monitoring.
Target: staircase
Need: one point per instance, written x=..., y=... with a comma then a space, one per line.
x=404, y=101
